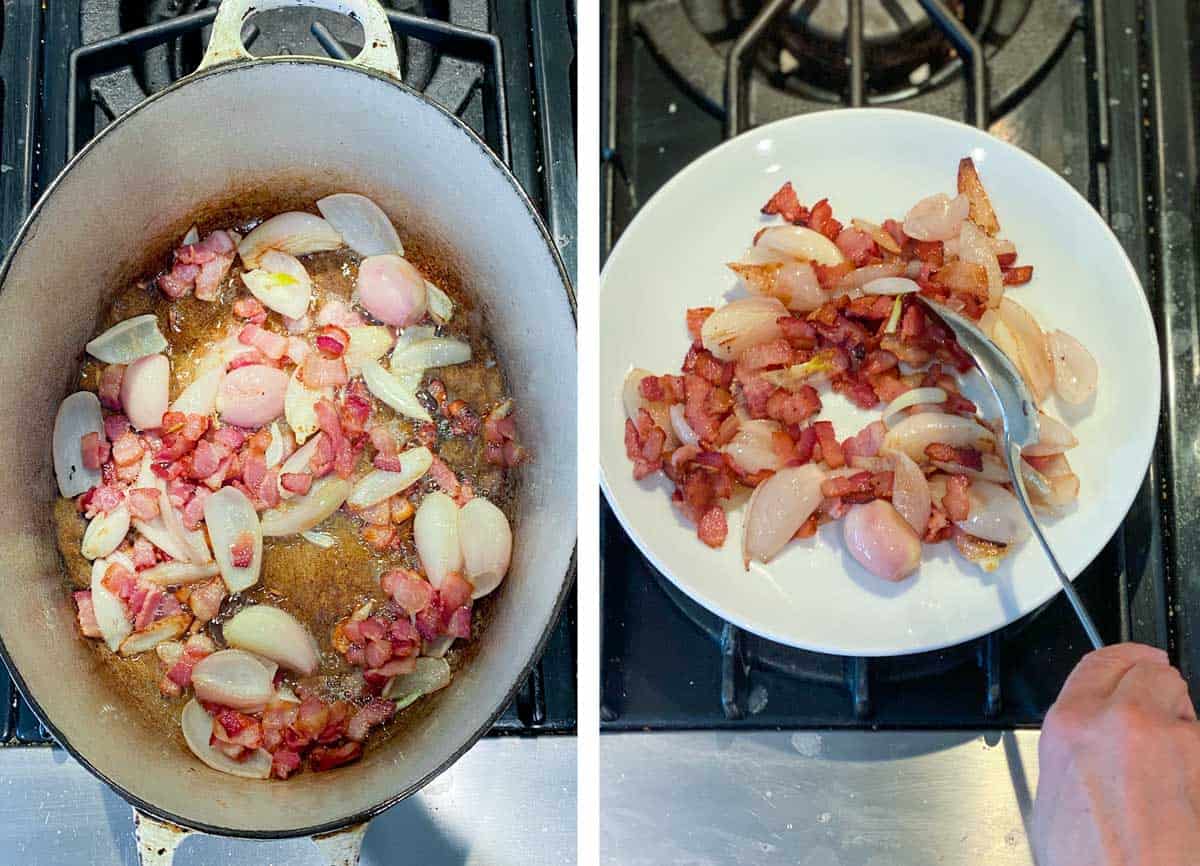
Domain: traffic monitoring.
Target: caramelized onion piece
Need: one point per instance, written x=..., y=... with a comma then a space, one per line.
x=778, y=508
x=304, y=512
x=995, y=514
x=435, y=531
x=740, y=324
x=273, y=634
x=295, y=232
x=237, y=537
x=1075, y=370
x=197, y=728
x=77, y=416
x=881, y=541
x=486, y=541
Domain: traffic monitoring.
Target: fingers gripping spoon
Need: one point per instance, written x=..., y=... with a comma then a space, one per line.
x=1018, y=415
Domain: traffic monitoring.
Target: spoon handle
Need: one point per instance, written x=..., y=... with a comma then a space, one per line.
x=1085, y=619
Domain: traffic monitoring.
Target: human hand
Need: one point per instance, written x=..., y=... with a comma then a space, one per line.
x=1119, y=757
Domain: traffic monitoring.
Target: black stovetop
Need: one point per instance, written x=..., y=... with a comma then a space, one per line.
x=67, y=69
x=1101, y=93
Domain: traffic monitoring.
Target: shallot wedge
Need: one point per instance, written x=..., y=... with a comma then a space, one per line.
x=1054, y=437
x=129, y=340
x=237, y=537
x=200, y=397
x=156, y=532
x=145, y=391
x=740, y=324
x=881, y=541
x=78, y=415
x=252, y=396
x=192, y=540
x=197, y=728
x=430, y=675
x=436, y=352
x=778, y=508
x=165, y=629
x=282, y=284
x=937, y=217
x=110, y=612
x=435, y=531
x=296, y=233
x=367, y=343
x=995, y=514
x=753, y=448
x=1075, y=370
x=235, y=678
x=392, y=290
x=802, y=243
x=441, y=306
x=175, y=573
x=105, y=533
x=971, y=186
x=486, y=541
x=299, y=407
x=305, y=512
x=917, y=432
x=393, y=391
x=974, y=247
x=792, y=282
x=1032, y=357
x=380, y=484
x=362, y=224
x=273, y=634
x=298, y=462
x=910, y=491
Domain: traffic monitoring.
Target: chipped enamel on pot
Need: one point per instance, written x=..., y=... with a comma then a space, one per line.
x=125, y=201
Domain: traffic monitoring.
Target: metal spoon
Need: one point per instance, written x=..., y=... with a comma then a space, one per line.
x=1019, y=417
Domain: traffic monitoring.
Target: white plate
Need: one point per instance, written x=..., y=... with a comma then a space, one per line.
x=874, y=164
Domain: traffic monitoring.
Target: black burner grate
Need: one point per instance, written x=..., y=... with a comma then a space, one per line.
x=99, y=58
x=1083, y=107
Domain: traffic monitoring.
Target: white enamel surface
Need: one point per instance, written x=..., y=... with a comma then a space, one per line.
x=369, y=136
x=812, y=595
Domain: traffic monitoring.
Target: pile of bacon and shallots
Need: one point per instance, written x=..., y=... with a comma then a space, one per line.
x=295, y=412
x=835, y=307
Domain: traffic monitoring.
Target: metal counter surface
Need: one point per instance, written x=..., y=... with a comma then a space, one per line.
x=808, y=798
x=510, y=801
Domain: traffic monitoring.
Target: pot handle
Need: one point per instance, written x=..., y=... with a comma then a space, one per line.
x=342, y=847
x=156, y=840
x=379, y=48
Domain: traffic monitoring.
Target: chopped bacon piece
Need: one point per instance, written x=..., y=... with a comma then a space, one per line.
x=831, y=449
x=956, y=502
x=793, y=408
x=459, y=624
x=967, y=457
x=712, y=527
x=296, y=482
x=144, y=555
x=87, y=614
x=830, y=275
x=858, y=392
x=241, y=552
x=231, y=726
x=338, y=312
x=249, y=307
x=857, y=246
x=205, y=599
x=104, y=499
x=896, y=230
x=785, y=203
x=821, y=220
x=806, y=442
x=271, y=345
x=95, y=450
x=1018, y=276
x=193, y=509
x=127, y=449
x=326, y=758
x=856, y=488
x=866, y=443
x=110, y=388
x=799, y=333
x=443, y=476
x=411, y=591
x=321, y=372
x=777, y=353
x=143, y=503
x=332, y=341
x=179, y=280
x=284, y=762
x=696, y=317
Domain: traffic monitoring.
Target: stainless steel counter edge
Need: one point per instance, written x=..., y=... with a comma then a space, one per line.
x=510, y=801
x=861, y=798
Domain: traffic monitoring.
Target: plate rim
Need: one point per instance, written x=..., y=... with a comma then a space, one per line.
x=889, y=115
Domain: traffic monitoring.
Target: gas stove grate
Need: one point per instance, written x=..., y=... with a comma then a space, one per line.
x=1132, y=584
x=513, y=98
